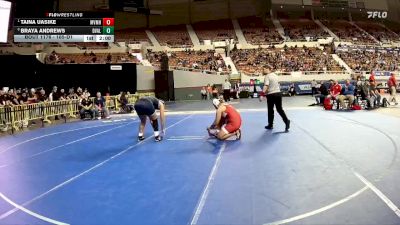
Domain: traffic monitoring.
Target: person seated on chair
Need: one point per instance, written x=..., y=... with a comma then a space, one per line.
x=372, y=80
x=347, y=94
x=227, y=122
x=322, y=92
x=375, y=97
x=124, y=103
x=100, y=106
x=335, y=90
x=86, y=107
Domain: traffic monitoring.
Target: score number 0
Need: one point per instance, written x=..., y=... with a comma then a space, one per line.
x=108, y=21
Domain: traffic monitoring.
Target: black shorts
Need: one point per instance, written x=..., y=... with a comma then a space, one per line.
x=144, y=108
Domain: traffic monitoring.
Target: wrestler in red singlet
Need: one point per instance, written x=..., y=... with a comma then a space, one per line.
x=233, y=121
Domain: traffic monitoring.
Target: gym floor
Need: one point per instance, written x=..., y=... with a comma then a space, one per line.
x=331, y=168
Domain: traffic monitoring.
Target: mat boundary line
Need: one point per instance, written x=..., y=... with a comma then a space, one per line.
x=55, y=133
x=206, y=190
x=30, y=212
x=10, y=212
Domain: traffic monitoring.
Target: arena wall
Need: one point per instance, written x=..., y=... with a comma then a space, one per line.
x=129, y=20
x=172, y=13
x=209, y=10
x=145, y=78
x=79, y=5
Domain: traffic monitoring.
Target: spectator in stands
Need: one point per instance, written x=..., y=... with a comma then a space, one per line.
x=79, y=91
x=2, y=98
x=42, y=97
x=227, y=90
x=92, y=54
x=23, y=99
x=72, y=94
x=86, y=92
x=100, y=106
x=367, y=60
x=392, y=84
x=203, y=93
x=62, y=95
x=86, y=107
x=54, y=95
x=32, y=97
x=12, y=97
x=347, y=94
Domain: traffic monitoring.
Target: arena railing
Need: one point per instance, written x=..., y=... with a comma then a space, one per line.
x=199, y=70
x=179, y=46
x=302, y=73
x=19, y=116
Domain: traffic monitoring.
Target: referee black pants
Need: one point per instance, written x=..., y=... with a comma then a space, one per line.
x=275, y=99
x=313, y=91
x=227, y=93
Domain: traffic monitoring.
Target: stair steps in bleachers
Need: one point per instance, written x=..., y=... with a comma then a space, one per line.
x=342, y=63
x=362, y=30
x=327, y=30
x=228, y=61
x=239, y=32
x=280, y=29
x=193, y=35
x=146, y=62
x=153, y=38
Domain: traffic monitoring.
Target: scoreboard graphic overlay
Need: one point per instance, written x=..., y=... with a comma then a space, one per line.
x=65, y=27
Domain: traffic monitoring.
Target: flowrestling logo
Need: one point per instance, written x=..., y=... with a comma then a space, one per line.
x=377, y=14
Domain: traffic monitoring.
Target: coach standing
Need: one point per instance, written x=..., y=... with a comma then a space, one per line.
x=274, y=98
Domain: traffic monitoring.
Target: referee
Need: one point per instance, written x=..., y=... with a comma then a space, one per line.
x=274, y=98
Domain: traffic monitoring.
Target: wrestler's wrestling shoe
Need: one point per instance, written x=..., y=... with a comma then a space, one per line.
x=158, y=138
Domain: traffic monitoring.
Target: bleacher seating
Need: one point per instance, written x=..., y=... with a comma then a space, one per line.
x=88, y=45
x=133, y=35
x=368, y=61
x=197, y=60
x=300, y=29
x=257, y=31
x=347, y=32
x=393, y=26
x=252, y=61
x=173, y=36
x=217, y=30
x=59, y=58
x=378, y=31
